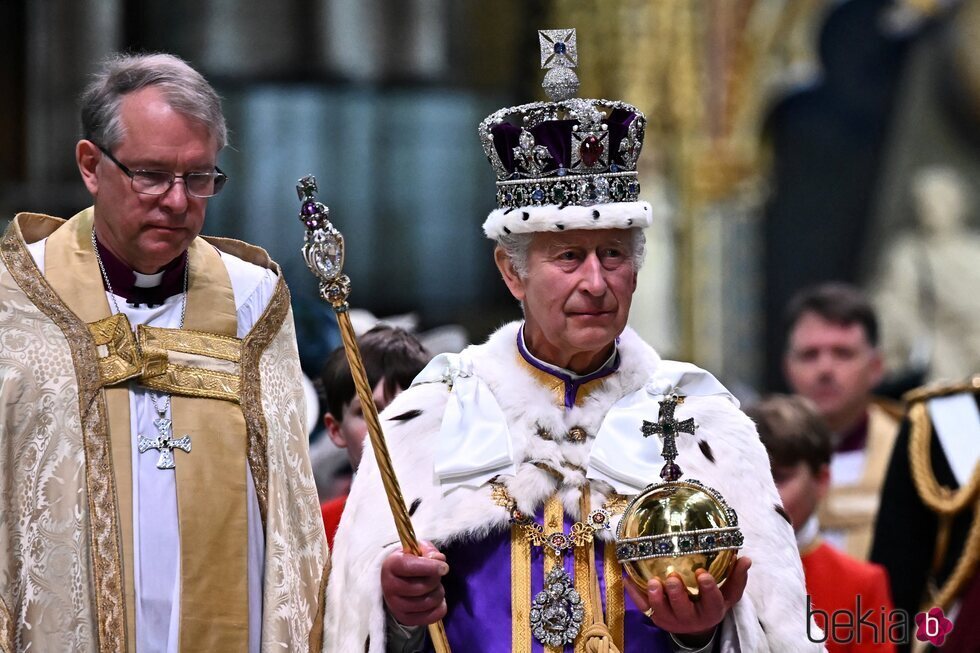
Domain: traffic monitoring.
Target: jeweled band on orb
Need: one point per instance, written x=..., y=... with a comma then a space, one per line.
x=708, y=540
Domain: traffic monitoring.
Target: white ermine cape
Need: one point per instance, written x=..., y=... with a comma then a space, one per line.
x=444, y=480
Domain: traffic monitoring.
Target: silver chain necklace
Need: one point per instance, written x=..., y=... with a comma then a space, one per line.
x=115, y=305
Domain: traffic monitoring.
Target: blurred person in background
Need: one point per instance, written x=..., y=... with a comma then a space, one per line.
x=392, y=359
x=799, y=446
x=832, y=359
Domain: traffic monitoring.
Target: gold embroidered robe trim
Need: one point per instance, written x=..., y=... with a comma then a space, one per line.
x=520, y=590
x=254, y=345
x=119, y=357
x=615, y=595
x=173, y=361
x=556, y=386
x=192, y=369
x=554, y=522
x=583, y=585
x=96, y=488
x=6, y=629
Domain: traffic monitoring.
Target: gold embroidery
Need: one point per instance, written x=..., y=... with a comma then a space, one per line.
x=316, y=631
x=584, y=588
x=520, y=591
x=581, y=532
x=615, y=600
x=556, y=386
x=577, y=434
x=209, y=345
x=146, y=356
x=196, y=382
x=100, y=482
x=120, y=444
x=554, y=515
x=6, y=628
x=251, y=398
x=122, y=359
x=500, y=496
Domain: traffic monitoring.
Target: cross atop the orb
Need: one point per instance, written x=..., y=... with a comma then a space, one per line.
x=165, y=443
x=669, y=428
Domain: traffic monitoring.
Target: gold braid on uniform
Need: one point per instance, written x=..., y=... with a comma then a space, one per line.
x=940, y=499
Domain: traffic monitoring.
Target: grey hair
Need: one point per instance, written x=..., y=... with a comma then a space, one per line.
x=183, y=88
x=516, y=247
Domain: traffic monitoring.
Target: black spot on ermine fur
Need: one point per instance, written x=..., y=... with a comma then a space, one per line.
x=407, y=415
x=782, y=513
x=706, y=450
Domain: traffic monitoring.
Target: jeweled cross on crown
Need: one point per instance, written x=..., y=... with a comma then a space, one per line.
x=558, y=48
x=669, y=428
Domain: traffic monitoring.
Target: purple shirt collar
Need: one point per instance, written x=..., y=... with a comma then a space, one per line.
x=856, y=437
x=571, y=380
x=123, y=279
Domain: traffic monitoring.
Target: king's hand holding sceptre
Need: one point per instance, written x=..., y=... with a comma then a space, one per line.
x=323, y=251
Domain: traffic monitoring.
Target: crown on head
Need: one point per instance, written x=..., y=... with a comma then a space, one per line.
x=570, y=152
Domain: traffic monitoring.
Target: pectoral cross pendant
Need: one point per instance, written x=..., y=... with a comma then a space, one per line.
x=165, y=443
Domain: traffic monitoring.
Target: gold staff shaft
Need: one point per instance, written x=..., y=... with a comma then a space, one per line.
x=403, y=523
x=323, y=251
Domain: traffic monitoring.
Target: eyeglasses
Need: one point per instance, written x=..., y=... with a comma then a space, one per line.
x=158, y=182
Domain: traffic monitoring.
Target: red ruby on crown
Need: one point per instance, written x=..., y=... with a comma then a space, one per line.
x=590, y=150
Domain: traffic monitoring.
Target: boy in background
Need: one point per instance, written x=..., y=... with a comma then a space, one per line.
x=800, y=446
x=392, y=359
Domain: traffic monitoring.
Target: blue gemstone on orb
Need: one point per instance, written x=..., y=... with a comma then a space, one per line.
x=664, y=546
x=560, y=48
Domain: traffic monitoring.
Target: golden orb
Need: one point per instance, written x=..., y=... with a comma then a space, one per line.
x=678, y=527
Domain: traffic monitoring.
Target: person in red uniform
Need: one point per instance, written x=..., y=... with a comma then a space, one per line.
x=392, y=358
x=840, y=588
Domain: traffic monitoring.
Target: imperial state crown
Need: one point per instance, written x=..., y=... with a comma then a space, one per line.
x=565, y=164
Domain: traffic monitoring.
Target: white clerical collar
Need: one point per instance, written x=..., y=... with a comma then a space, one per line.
x=148, y=280
x=807, y=536
x=561, y=372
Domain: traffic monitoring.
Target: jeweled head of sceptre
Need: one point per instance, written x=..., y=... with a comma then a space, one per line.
x=323, y=251
x=323, y=246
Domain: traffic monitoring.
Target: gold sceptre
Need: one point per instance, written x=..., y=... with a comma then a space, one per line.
x=323, y=250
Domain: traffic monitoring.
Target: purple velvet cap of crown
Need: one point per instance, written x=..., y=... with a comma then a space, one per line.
x=556, y=136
